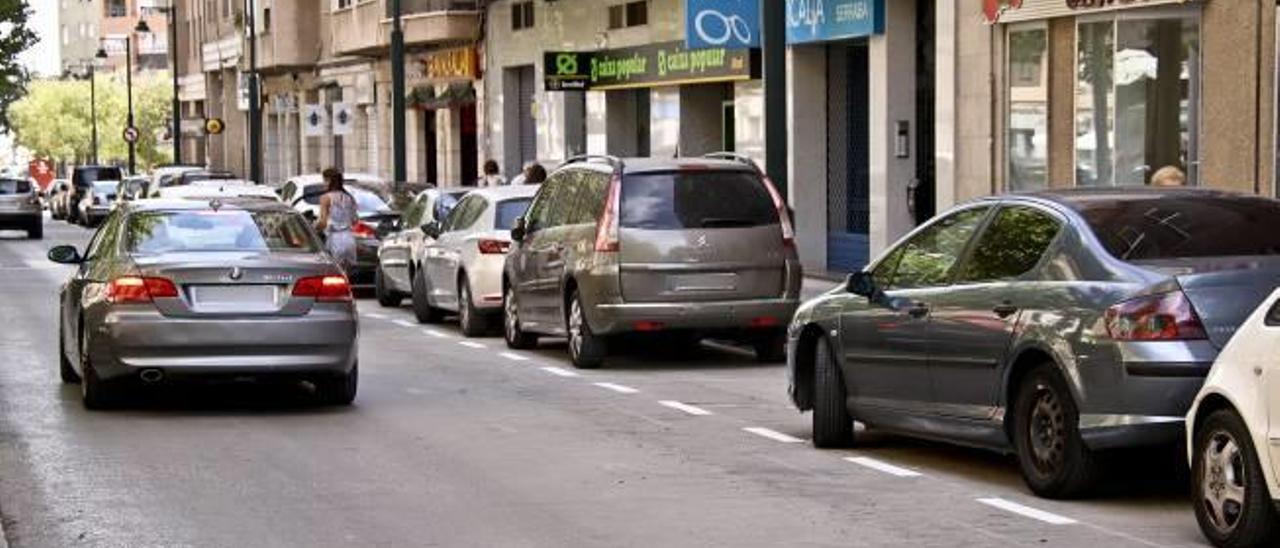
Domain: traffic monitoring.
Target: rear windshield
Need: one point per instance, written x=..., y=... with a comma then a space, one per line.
x=211, y=231
x=105, y=187
x=1169, y=227
x=508, y=210
x=14, y=186
x=86, y=177
x=710, y=199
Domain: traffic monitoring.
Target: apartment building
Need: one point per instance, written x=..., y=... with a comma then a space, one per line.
x=117, y=23
x=78, y=34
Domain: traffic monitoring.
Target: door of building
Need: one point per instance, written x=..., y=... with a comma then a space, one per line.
x=923, y=202
x=848, y=156
x=429, y=149
x=470, y=159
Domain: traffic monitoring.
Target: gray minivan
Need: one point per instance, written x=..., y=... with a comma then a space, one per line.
x=20, y=207
x=682, y=247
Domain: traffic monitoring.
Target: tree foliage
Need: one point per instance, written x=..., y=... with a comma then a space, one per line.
x=15, y=38
x=54, y=120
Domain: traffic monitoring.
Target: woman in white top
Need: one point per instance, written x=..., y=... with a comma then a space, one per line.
x=337, y=217
x=491, y=175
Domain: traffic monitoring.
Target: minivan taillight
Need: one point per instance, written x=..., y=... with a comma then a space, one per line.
x=325, y=289
x=784, y=218
x=1162, y=317
x=607, y=228
x=139, y=290
x=493, y=247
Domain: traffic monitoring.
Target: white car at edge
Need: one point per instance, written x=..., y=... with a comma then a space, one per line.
x=1234, y=433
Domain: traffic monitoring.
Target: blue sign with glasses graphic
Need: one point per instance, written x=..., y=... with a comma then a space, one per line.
x=827, y=20
x=722, y=23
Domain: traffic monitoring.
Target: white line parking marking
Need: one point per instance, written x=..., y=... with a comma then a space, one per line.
x=470, y=344
x=436, y=334
x=884, y=467
x=616, y=388
x=404, y=323
x=374, y=316
x=514, y=357
x=1027, y=511
x=772, y=434
x=696, y=411
x=560, y=372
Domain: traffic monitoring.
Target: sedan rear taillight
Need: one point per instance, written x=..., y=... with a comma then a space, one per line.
x=362, y=230
x=493, y=247
x=139, y=290
x=1162, y=317
x=325, y=289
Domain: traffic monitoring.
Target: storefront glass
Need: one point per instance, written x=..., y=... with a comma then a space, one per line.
x=1137, y=97
x=1027, y=137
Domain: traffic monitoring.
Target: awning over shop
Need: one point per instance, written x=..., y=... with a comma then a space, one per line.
x=456, y=94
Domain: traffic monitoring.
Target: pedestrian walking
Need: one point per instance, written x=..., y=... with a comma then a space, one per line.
x=492, y=176
x=337, y=217
x=534, y=174
x=1169, y=176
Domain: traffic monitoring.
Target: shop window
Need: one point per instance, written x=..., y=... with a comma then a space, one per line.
x=1137, y=98
x=1027, y=130
x=522, y=15
x=630, y=14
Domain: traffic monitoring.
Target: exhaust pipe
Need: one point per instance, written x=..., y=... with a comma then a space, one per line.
x=151, y=375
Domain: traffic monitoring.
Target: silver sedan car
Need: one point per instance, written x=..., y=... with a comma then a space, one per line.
x=175, y=290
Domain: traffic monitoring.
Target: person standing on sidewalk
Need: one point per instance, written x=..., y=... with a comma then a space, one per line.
x=491, y=177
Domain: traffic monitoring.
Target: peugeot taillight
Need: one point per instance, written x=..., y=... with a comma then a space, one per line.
x=493, y=247
x=1162, y=317
x=607, y=228
x=363, y=230
x=784, y=218
x=139, y=290
x=325, y=289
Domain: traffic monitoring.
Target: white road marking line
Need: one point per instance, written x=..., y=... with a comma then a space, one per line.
x=617, y=388
x=692, y=410
x=436, y=334
x=471, y=344
x=884, y=467
x=772, y=434
x=514, y=357
x=404, y=323
x=374, y=316
x=559, y=372
x=1027, y=511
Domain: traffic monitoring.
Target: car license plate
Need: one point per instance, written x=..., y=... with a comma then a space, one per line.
x=234, y=298
x=703, y=282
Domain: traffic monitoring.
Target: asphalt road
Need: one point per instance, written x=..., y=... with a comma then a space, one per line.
x=461, y=443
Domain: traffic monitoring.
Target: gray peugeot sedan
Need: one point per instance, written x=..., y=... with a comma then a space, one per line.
x=174, y=290
x=1054, y=326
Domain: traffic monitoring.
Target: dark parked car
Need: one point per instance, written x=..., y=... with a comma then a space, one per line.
x=1053, y=326
x=82, y=182
x=684, y=248
x=377, y=221
x=20, y=207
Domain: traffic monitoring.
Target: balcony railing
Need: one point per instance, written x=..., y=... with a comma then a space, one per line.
x=418, y=7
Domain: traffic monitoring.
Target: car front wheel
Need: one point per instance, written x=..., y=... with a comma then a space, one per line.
x=1053, y=459
x=832, y=422
x=1232, y=504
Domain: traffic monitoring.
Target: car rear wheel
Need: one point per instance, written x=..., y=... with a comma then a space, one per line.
x=340, y=390
x=770, y=348
x=422, y=308
x=586, y=349
x=65, y=369
x=36, y=232
x=1054, y=461
x=1232, y=504
x=832, y=422
x=95, y=393
x=474, y=324
x=386, y=297
x=517, y=339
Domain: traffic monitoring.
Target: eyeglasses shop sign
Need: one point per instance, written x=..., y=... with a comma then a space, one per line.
x=826, y=20
x=722, y=23
x=648, y=66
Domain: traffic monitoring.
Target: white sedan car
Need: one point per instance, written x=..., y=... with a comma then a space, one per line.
x=463, y=266
x=1234, y=428
x=219, y=189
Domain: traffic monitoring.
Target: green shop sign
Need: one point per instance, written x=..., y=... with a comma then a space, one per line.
x=652, y=65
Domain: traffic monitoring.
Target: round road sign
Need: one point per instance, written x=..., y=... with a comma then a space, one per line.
x=131, y=134
x=213, y=126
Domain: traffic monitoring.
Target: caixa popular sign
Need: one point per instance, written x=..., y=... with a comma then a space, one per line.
x=1012, y=11
x=665, y=64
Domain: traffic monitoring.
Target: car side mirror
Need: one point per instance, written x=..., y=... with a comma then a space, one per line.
x=861, y=283
x=65, y=254
x=518, y=230
x=432, y=230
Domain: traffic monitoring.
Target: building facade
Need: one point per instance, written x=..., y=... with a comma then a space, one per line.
x=119, y=18
x=78, y=34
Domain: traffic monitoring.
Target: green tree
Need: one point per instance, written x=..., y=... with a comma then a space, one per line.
x=15, y=38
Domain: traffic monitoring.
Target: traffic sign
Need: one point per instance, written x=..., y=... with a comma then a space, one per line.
x=131, y=134
x=214, y=126
x=41, y=170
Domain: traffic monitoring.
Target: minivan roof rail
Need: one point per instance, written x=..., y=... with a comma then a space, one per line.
x=733, y=157
x=614, y=161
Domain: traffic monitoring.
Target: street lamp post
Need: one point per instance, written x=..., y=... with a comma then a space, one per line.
x=143, y=28
x=255, y=109
x=93, y=110
x=128, y=82
x=399, y=159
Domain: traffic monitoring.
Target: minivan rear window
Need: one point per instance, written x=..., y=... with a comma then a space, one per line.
x=696, y=199
x=86, y=177
x=14, y=186
x=1182, y=226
